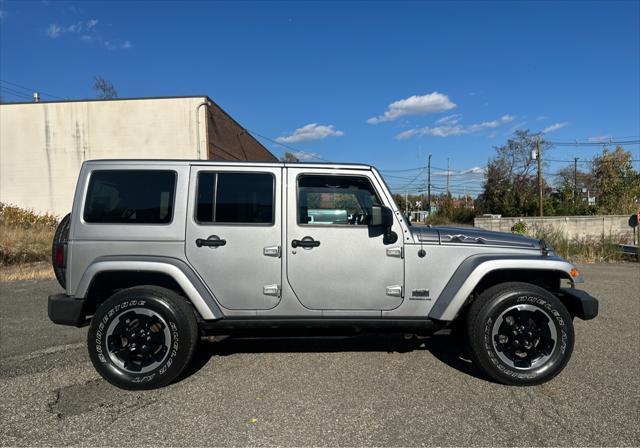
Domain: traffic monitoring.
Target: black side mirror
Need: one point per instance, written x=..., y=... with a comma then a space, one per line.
x=383, y=217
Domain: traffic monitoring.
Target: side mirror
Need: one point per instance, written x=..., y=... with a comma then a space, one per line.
x=383, y=217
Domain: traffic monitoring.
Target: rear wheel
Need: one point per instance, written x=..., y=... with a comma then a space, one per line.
x=142, y=337
x=520, y=334
x=58, y=249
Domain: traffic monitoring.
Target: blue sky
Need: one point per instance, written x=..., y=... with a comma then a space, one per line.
x=380, y=83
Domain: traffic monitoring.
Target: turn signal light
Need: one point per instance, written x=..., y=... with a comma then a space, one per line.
x=574, y=272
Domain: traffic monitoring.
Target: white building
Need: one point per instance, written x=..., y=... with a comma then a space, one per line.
x=42, y=145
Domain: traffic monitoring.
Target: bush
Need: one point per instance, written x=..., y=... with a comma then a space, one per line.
x=25, y=236
x=519, y=227
x=585, y=250
x=16, y=216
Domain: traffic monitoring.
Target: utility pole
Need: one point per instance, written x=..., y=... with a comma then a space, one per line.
x=406, y=203
x=539, y=157
x=575, y=179
x=429, y=185
x=448, y=172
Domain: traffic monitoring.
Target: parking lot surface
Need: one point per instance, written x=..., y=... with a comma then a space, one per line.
x=366, y=390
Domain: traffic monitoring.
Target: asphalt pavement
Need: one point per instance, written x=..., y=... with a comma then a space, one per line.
x=379, y=390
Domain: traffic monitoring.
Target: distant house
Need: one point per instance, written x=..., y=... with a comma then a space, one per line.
x=43, y=144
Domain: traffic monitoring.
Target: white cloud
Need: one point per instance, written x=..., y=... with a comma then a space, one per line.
x=599, y=139
x=53, y=31
x=554, y=127
x=305, y=156
x=473, y=170
x=415, y=105
x=449, y=119
x=448, y=126
x=541, y=117
x=87, y=30
x=117, y=45
x=311, y=131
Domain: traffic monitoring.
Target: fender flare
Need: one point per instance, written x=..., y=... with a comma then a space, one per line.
x=194, y=288
x=473, y=269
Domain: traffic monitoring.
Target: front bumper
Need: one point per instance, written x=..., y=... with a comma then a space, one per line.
x=67, y=310
x=579, y=303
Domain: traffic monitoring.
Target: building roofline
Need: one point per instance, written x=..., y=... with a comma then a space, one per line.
x=93, y=100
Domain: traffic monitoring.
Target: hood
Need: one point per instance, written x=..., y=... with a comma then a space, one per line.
x=472, y=235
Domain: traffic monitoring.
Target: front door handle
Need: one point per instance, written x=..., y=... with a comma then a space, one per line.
x=212, y=241
x=306, y=242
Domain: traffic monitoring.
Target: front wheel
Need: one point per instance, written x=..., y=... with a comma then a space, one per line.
x=142, y=337
x=520, y=334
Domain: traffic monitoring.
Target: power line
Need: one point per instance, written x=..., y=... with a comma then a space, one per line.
x=403, y=170
x=14, y=93
x=594, y=144
x=30, y=90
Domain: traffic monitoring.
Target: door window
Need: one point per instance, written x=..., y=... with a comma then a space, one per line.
x=335, y=200
x=235, y=198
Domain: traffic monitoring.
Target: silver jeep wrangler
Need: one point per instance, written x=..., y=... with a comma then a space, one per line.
x=156, y=255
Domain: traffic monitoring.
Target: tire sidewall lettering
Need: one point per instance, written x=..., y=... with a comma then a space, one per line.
x=101, y=347
x=557, y=319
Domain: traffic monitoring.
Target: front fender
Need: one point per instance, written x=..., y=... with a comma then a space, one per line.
x=473, y=269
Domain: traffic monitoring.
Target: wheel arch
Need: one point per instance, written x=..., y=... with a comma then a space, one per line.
x=105, y=275
x=480, y=272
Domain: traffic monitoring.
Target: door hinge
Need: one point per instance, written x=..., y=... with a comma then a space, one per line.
x=396, y=252
x=271, y=290
x=394, y=291
x=271, y=251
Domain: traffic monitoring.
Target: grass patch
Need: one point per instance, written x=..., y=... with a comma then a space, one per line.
x=27, y=271
x=25, y=236
x=585, y=250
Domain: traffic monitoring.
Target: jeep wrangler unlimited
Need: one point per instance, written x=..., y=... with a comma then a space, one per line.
x=156, y=255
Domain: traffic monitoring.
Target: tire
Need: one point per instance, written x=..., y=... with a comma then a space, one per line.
x=519, y=334
x=142, y=337
x=60, y=238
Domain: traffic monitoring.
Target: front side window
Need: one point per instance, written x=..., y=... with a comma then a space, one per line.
x=335, y=200
x=130, y=197
x=235, y=198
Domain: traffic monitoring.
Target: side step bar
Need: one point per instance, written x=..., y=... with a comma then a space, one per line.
x=260, y=326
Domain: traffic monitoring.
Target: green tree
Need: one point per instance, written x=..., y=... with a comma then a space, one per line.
x=617, y=183
x=511, y=185
x=568, y=198
x=289, y=157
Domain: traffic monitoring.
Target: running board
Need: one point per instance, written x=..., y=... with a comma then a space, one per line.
x=270, y=326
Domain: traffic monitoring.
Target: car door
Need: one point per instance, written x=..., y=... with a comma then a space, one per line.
x=233, y=236
x=335, y=261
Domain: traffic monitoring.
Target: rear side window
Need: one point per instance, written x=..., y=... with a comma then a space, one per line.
x=130, y=197
x=235, y=198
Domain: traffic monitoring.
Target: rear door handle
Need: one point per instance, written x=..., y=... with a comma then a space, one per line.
x=306, y=242
x=212, y=241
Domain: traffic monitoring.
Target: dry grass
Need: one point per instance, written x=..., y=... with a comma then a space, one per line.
x=25, y=236
x=585, y=250
x=27, y=271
